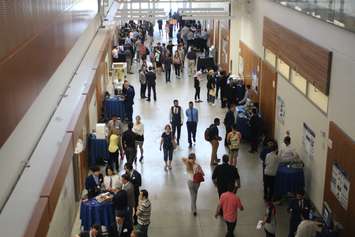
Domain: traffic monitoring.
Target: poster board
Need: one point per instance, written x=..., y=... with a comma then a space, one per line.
x=308, y=141
x=340, y=185
x=280, y=110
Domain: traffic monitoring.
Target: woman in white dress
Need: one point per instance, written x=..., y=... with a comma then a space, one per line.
x=138, y=128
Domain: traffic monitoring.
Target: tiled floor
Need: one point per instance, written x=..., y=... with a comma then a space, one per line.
x=168, y=190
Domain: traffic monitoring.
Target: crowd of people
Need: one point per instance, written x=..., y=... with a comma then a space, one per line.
x=131, y=204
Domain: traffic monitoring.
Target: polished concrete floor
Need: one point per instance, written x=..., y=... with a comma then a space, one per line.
x=171, y=215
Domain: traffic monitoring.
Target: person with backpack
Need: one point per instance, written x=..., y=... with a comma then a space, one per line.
x=195, y=177
x=212, y=136
x=233, y=140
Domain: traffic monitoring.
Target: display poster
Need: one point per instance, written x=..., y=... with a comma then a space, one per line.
x=308, y=141
x=340, y=185
x=280, y=109
x=255, y=80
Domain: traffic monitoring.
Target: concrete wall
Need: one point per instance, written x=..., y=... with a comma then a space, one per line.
x=342, y=87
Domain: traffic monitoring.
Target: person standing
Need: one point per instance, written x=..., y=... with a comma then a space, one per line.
x=229, y=204
x=214, y=138
x=143, y=82
x=95, y=231
x=254, y=124
x=128, y=186
x=229, y=121
x=167, y=65
x=197, y=89
x=181, y=52
x=272, y=161
x=299, y=210
x=191, y=123
x=167, y=142
x=111, y=180
x=191, y=57
x=151, y=77
x=233, y=140
x=211, y=87
x=114, y=146
x=128, y=92
x=195, y=177
x=176, y=119
x=129, y=139
x=225, y=175
x=177, y=64
x=223, y=84
x=136, y=179
x=269, y=221
x=93, y=182
x=143, y=213
x=160, y=27
x=138, y=129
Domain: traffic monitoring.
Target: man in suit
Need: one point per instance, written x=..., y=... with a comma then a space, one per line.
x=136, y=180
x=120, y=199
x=93, y=182
x=299, y=210
x=176, y=119
x=229, y=121
x=128, y=92
x=93, y=232
x=128, y=186
x=151, y=77
x=124, y=225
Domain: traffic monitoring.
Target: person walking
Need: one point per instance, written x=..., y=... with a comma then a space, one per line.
x=214, y=138
x=144, y=211
x=233, y=140
x=269, y=221
x=211, y=87
x=229, y=121
x=191, y=123
x=114, y=147
x=225, y=175
x=151, y=78
x=129, y=139
x=167, y=142
x=197, y=89
x=195, y=177
x=167, y=65
x=299, y=209
x=229, y=204
x=138, y=129
x=136, y=179
x=181, y=52
x=272, y=161
x=177, y=64
x=254, y=124
x=191, y=57
x=143, y=82
x=176, y=119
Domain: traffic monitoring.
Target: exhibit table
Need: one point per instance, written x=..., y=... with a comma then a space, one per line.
x=94, y=212
x=98, y=150
x=288, y=180
x=114, y=106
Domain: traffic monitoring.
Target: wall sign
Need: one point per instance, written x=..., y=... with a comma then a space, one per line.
x=340, y=185
x=280, y=108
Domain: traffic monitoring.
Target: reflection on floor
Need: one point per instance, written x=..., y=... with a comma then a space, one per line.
x=171, y=215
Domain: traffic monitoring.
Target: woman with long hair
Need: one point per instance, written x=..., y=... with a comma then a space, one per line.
x=168, y=144
x=195, y=177
x=177, y=64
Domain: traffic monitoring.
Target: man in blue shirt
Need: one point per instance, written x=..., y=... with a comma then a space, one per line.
x=192, y=120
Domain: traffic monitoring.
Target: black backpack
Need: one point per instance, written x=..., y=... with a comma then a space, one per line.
x=208, y=134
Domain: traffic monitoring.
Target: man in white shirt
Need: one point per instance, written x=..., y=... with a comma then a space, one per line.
x=287, y=153
x=272, y=161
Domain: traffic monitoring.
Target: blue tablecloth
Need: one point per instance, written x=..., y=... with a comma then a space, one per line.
x=114, y=107
x=93, y=212
x=243, y=126
x=98, y=150
x=288, y=180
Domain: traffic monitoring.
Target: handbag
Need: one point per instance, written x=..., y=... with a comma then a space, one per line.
x=198, y=176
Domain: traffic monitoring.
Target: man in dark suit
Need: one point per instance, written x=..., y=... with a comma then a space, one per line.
x=229, y=121
x=124, y=225
x=93, y=232
x=93, y=182
x=225, y=175
x=136, y=180
x=129, y=93
x=299, y=210
x=151, y=77
x=176, y=119
x=120, y=200
x=255, y=126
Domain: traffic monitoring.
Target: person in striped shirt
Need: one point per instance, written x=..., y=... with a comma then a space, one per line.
x=143, y=213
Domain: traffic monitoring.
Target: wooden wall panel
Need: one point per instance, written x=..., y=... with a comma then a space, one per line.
x=342, y=152
x=225, y=45
x=39, y=223
x=307, y=58
x=268, y=87
x=251, y=62
x=28, y=62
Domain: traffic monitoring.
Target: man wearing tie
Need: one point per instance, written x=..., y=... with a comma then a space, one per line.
x=299, y=209
x=191, y=123
x=176, y=119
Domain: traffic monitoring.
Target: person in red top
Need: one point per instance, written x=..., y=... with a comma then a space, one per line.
x=229, y=204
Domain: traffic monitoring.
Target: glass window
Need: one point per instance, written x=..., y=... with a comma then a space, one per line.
x=298, y=81
x=317, y=97
x=283, y=69
x=270, y=57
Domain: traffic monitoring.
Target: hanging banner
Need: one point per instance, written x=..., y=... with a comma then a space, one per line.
x=309, y=138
